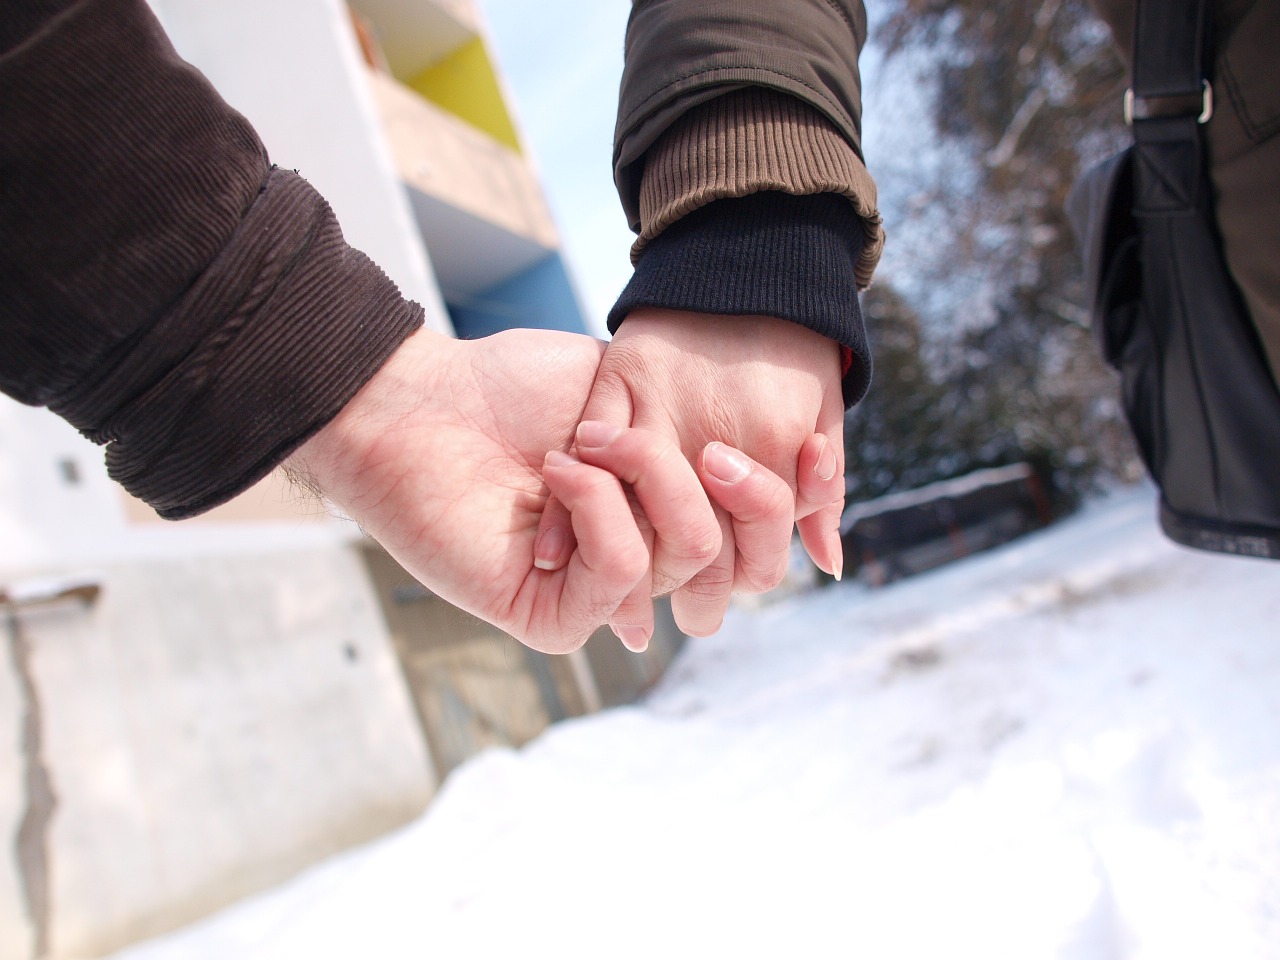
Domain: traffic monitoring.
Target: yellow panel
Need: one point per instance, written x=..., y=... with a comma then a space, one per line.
x=464, y=83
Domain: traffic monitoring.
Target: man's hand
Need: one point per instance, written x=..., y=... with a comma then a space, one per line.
x=441, y=457
x=768, y=387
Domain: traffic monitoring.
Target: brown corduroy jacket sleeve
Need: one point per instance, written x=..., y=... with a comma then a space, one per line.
x=162, y=286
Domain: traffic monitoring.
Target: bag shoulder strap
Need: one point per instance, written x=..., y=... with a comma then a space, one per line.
x=1168, y=103
x=1170, y=40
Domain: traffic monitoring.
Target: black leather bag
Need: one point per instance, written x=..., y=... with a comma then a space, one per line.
x=1196, y=388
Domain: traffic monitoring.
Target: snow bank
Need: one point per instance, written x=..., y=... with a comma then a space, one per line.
x=1068, y=748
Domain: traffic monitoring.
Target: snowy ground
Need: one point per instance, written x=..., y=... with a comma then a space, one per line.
x=1069, y=748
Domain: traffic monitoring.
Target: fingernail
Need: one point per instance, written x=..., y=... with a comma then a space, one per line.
x=635, y=639
x=725, y=463
x=595, y=433
x=556, y=458
x=837, y=560
x=825, y=468
x=547, y=551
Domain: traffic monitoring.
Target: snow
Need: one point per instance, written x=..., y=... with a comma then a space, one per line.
x=1066, y=748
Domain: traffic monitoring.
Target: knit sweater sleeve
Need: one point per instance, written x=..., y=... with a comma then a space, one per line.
x=165, y=288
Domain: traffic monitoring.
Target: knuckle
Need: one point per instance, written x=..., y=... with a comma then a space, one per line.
x=661, y=447
x=632, y=561
x=778, y=502
x=675, y=563
x=700, y=548
x=778, y=443
x=555, y=643
x=762, y=575
x=710, y=586
x=657, y=455
x=774, y=575
x=775, y=445
x=664, y=582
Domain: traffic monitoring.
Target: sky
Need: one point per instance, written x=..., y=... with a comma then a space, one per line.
x=562, y=61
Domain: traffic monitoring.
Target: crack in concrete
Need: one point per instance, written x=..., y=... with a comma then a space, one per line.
x=31, y=842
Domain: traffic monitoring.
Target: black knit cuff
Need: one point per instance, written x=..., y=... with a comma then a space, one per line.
x=766, y=254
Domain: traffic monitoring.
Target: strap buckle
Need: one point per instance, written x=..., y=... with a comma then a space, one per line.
x=1178, y=105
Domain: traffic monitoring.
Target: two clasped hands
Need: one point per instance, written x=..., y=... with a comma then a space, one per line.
x=550, y=483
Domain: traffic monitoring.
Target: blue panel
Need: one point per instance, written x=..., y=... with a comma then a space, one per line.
x=540, y=297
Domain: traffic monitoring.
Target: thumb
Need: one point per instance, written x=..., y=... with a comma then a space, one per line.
x=609, y=401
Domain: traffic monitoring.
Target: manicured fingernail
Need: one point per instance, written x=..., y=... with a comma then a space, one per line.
x=595, y=433
x=558, y=459
x=547, y=551
x=635, y=639
x=837, y=565
x=825, y=468
x=725, y=463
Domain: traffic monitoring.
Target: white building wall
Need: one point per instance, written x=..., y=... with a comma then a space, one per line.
x=49, y=520
x=56, y=502
x=293, y=67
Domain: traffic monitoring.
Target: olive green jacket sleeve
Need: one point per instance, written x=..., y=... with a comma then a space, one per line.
x=683, y=53
x=722, y=100
x=752, y=140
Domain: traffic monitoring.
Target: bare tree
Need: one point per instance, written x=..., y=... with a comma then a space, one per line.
x=1024, y=96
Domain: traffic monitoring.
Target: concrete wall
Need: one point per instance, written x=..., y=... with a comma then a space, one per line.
x=473, y=686
x=206, y=728
x=229, y=711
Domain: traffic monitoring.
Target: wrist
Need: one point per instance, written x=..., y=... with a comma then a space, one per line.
x=733, y=340
x=339, y=460
x=767, y=254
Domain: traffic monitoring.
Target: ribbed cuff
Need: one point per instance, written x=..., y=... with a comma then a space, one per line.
x=767, y=254
x=749, y=141
x=297, y=322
